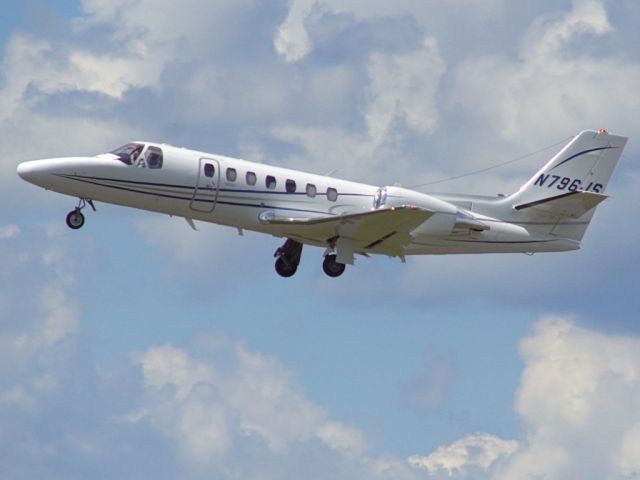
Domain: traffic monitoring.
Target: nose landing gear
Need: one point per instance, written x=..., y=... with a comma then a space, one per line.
x=75, y=218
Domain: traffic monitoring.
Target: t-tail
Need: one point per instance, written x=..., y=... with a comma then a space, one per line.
x=561, y=198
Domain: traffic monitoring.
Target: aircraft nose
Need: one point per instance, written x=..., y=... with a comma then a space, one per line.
x=26, y=170
x=34, y=171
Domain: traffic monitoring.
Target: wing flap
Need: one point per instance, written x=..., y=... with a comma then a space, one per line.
x=386, y=229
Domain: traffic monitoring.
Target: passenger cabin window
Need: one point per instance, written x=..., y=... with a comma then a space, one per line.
x=128, y=153
x=154, y=157
x=270, y=182
x=251, y=178
x=209, y=170
x=290, y=186
x=332, y=194
x=231, y=174
x=311, y=190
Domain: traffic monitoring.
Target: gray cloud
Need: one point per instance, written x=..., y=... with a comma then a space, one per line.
x=429, y=390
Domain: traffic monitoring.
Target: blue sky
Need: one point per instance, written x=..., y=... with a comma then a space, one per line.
x=138, y=347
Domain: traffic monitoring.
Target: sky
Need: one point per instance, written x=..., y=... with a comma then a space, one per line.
x=137, y=347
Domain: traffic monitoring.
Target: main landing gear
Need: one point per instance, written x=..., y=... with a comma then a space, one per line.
x=75, y=218
x=331, y=267
x=288, y=259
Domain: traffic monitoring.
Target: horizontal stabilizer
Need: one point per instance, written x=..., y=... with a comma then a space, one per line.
x=572, y=204
x=385, y=229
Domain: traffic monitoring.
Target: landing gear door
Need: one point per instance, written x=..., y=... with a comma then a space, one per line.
x=205, y=193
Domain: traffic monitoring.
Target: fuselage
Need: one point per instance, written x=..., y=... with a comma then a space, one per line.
x=241, y=194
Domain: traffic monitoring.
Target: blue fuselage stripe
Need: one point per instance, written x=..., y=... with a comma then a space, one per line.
x=96, y=181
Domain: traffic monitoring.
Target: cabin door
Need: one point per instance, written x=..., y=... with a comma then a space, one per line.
x=205, y=194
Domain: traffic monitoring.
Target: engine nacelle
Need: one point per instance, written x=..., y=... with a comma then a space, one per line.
x=442, y=221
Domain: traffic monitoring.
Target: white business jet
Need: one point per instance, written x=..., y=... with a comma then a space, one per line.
x=549, y=213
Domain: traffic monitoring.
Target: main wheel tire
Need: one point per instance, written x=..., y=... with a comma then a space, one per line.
x=75, y=219
x=331, y=267
x=285, y=269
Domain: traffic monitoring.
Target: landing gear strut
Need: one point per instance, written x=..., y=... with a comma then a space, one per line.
x=288, y=258
x=331, y=267
x=75, y=218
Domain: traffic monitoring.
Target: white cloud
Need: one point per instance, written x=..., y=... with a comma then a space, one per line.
x=206, y=412
x=293, y=43
x=577, y=400
x=57, y=314
x=292, y=40
x=627, y=458
x=61, y=317
x=55, y=67
x=475, y=450
x=404, y=86
x=37, y=338
x=572, y=363
x=556, y=87
x=36, y=69
x=158, y=31
x=170, y=366
x=326, y=148
x=244, y=410
x=115, y=48
x=183, y=405
x=343, y=438
x=588, y=17
x=232, y=410
x=9, y=231
x=112, y=76
x=281, y=415
x=17, y=396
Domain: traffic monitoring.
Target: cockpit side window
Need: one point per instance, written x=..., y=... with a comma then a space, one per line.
x=128, y=153
x=154, y=157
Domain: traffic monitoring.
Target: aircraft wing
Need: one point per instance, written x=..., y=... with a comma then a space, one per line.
x=386, y=230
x=572, y=204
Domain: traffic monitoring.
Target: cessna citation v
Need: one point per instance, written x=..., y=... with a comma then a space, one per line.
x=549, y=213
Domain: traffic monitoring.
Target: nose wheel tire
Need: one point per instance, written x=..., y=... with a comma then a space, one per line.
x=284, y=268
x=331, y=267
x=75, y=219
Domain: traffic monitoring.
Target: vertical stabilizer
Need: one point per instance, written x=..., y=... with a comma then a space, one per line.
x=584, y=164
x=561, y=197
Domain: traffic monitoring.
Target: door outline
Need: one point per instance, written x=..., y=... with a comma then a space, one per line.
x=206, y=184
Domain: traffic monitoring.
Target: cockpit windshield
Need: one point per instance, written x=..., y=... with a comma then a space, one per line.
x=135, y=154
x=128, y=153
